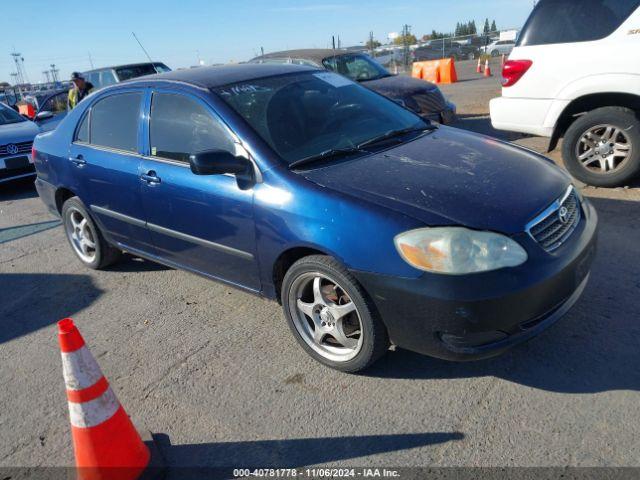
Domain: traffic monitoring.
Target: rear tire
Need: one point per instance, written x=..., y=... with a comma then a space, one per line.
x=85, y=238
x=349, y=342
x=594, y=137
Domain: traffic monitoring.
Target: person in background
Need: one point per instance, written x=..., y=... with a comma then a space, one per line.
x=81, y=88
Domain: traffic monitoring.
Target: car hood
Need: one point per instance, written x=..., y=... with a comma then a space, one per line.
x=18, y=132
x=452, y=177
x=397, y=86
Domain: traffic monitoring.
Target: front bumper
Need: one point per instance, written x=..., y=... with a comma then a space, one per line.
x=18, y=166
x=479, y=316
x=446, y=116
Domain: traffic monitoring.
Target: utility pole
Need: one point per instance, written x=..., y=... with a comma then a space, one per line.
x=406, y=31
x=339, y=42
x=46, y=76
x=333, y=41
x=54, y=73
x=262, y=51
x=90, y=60
x=18, y=60
x=371, y=42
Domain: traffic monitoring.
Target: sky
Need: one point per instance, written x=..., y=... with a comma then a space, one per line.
x=73, y=35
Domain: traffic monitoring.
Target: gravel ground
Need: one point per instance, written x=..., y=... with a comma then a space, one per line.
x=216, y=374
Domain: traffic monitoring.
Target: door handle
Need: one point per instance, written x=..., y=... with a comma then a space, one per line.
x=150, y=177
x=78, y=161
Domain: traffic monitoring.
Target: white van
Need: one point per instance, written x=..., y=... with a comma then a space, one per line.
x=575, y=73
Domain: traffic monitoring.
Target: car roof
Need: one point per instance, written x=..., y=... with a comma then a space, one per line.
x=314, y=54
x=212, y=77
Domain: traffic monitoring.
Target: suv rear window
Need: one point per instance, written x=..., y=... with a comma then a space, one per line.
x=568, y=21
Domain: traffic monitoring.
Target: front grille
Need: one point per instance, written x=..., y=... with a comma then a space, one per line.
x=22, y=147
x=430, y=102
x=556, y=224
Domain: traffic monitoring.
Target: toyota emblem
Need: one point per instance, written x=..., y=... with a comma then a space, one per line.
x=12, y=149
x=563, y=215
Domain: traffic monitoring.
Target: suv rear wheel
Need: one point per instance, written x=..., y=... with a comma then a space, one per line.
x=602, y=148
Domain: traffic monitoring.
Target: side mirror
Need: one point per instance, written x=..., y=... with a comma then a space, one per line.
x=44, y=115
x=217, y=162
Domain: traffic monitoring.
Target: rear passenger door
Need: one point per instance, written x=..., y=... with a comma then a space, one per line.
x=202, y=222
x=105, y=161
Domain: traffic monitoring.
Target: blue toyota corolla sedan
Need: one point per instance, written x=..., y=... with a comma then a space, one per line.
x=370, y=225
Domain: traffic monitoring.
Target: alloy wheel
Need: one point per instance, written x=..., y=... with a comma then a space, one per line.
x=81, y=235
x=603, y=149
x=325, y=317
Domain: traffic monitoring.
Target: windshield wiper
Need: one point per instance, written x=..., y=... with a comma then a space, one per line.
x=396, y=133
x=331, y=153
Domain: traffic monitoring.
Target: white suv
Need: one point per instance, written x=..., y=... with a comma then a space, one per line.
x=575, y=73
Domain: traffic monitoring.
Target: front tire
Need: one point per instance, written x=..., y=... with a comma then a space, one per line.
x=602, y=148
x=330, y=315
x=85, y=238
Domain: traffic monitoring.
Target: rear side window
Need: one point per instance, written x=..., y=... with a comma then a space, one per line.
x=114, y=122
x=569, y=21
x=180, y=126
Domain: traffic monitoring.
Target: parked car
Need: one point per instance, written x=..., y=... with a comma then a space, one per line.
x=53, y=108
x=552, y=87
x=451, y=50
x=103, y=77
x=369, y=224
x=500, y=47
x=16, y=138
x=422, y=97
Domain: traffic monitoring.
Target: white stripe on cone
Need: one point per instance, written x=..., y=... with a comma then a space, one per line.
x=93, y=413
x=80, y=369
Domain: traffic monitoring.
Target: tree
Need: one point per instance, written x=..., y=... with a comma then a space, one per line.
x=472, y=28
x=458, y=33
x=409, y=39
x=487, y=28
x=372, y=43
x=493, y=27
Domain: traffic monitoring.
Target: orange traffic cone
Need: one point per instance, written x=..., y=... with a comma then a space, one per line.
x=105, y=442
x=479, y=67
x=487, y=69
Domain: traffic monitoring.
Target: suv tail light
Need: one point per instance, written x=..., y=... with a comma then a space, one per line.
x=33, y=153
x=513, y=71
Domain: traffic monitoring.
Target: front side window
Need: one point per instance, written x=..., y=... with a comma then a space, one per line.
x=180, y=126
x=302, y=115
x=56, y=103
x=356, y=67
x=115, y=120
x=568, y=21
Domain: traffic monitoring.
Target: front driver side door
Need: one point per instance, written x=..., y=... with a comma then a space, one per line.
x=201, y=222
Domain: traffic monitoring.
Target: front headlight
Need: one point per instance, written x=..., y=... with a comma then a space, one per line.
x=458, y=250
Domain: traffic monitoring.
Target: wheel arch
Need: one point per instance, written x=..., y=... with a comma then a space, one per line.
x=287, y=258
x=587, y=103
x=62, y=195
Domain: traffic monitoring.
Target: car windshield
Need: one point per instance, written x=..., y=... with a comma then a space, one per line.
x=8, y=115
x=303, y=115
x=357, y=67
x=135, y=71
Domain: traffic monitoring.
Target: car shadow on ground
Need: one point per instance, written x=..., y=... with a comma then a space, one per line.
x=18, y=189
x=183, y=460
x=594, y=348
x=20, y=231
x=130, y=263
x=29, y=302
x=482, y=124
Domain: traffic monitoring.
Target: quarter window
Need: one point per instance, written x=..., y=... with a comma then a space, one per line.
x=114, y=122
x=180, y=126
x=82, y=134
